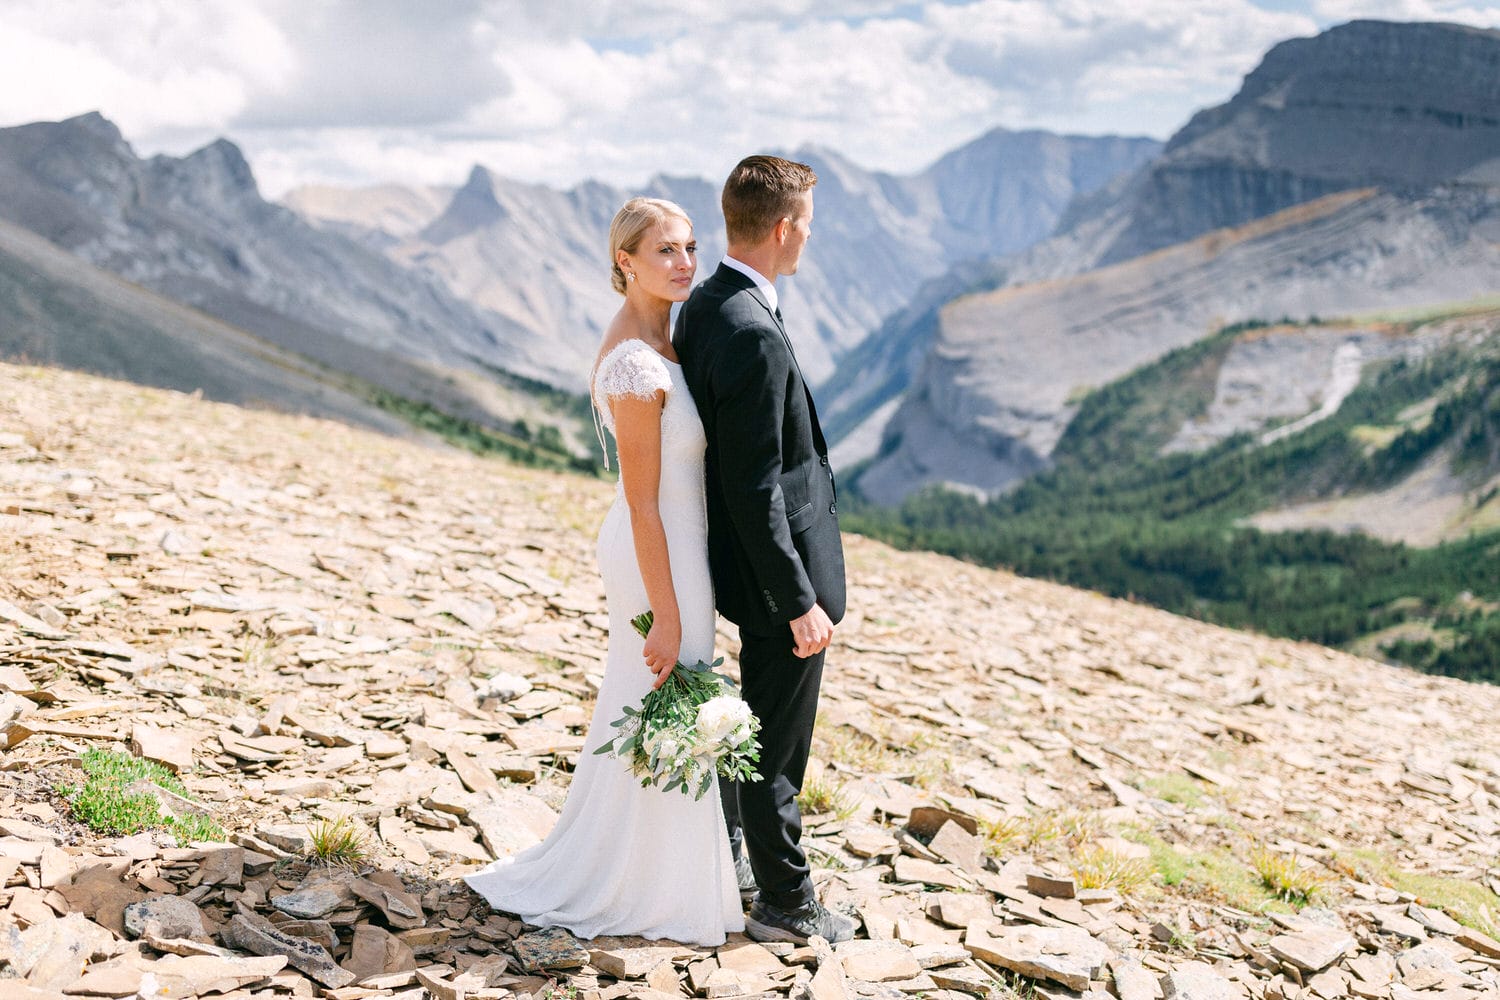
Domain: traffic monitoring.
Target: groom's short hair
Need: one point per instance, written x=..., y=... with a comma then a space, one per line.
x=760, y=192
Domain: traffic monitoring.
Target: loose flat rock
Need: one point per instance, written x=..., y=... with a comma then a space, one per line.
x=929, y=873
x=1066, y=955
x=260, y=937
x=960, y=909
x=877, y=961
x=174, y=917
x=630, y=963
x=1133, y=982
x=748, y=957
x=865, y=841
x=1312, y=950
x=552, y=948
x=171, y=748
x=384, y=891
x=50, y=954
x=201, y=975
x=315, y=898
x=958, y=846
x=1478, y=941
x=1197, y=981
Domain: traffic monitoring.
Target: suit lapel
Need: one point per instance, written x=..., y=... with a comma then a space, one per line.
x=741, y=281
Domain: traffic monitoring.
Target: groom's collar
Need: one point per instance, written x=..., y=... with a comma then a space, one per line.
x=767, y=290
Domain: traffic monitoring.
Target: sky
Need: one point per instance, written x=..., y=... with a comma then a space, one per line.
x=355, y=92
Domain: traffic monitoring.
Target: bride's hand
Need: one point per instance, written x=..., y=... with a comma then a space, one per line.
x=663, y=643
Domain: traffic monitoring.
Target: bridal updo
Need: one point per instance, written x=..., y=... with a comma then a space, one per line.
x=632, y=222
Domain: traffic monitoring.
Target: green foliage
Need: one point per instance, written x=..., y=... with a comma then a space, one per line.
x=1115, y=516
x=112, y=801
x=542, y=448
x=1465, y=900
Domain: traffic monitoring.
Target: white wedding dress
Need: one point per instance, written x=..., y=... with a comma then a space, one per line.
x=624, y=859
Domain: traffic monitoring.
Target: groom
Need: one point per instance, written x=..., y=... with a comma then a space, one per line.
x=773, y=531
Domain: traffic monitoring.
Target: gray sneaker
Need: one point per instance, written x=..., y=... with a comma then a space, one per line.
x=771, y=923
x=745, y=875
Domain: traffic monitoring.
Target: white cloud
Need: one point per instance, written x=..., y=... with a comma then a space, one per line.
x=1484, y=15
x=148, y=66
x=350, y=91
x=378, y=63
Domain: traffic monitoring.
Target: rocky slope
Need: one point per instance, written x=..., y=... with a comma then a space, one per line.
x=1397, y=107
x=59, y=310
x=311, y=622
x=533, y=253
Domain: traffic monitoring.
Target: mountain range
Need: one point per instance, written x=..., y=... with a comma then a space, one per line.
x=536, y=255
x=954, y=318
x=1354, y=171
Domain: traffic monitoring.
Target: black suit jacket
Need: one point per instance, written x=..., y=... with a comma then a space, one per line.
x=773, y=527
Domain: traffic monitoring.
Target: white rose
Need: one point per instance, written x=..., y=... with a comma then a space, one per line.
x=720, y=718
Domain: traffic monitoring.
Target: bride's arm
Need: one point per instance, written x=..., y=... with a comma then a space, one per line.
x=638, y=437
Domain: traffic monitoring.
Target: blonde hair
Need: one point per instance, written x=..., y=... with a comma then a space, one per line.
x=631, y=222
x=760, y=192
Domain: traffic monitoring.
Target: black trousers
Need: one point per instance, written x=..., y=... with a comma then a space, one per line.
x=762, y=816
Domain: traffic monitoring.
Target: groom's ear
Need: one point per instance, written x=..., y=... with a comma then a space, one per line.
x=783, y=227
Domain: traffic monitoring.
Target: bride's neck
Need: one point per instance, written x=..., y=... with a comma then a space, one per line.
x=651, y=316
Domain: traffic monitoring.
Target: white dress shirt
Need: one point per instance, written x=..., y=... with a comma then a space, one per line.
x=767, y=289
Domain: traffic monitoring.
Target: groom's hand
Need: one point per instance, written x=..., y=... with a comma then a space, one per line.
x=811, y=633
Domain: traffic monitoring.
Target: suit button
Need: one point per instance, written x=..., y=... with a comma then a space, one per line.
x=823, y=460
x=833, y=508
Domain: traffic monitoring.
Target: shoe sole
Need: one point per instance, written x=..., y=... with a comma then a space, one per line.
x=757, y=931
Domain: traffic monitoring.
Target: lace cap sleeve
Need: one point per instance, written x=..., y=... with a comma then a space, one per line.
x=632, y=369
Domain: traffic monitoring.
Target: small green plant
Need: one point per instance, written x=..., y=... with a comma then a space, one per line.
x=1099, y=868
x=113, y=798
x=339, y=843
x=1465, y=900
x=1178, y=788
x=819, y=796
x=1285, y=877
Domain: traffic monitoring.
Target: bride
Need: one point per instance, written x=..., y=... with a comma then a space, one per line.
x=624, y=859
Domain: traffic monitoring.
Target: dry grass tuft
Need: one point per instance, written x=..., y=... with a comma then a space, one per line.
x=1095, y=867
x=1286, y=877
x=819, y=797
x=339, y=843
x=1039, y=830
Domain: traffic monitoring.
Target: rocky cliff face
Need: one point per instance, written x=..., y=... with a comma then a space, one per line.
x=1365, y=103
x=196, y=230
x=1369, y=104
x=536, y=255
x=1007, y=367
x=58, y=310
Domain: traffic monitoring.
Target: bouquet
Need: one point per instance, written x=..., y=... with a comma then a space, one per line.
x=688, y=731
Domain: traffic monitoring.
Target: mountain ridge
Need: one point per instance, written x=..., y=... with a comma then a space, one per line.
x=1237, y=139
x=878, y=234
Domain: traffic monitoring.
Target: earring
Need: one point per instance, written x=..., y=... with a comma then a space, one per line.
x=630, y=276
